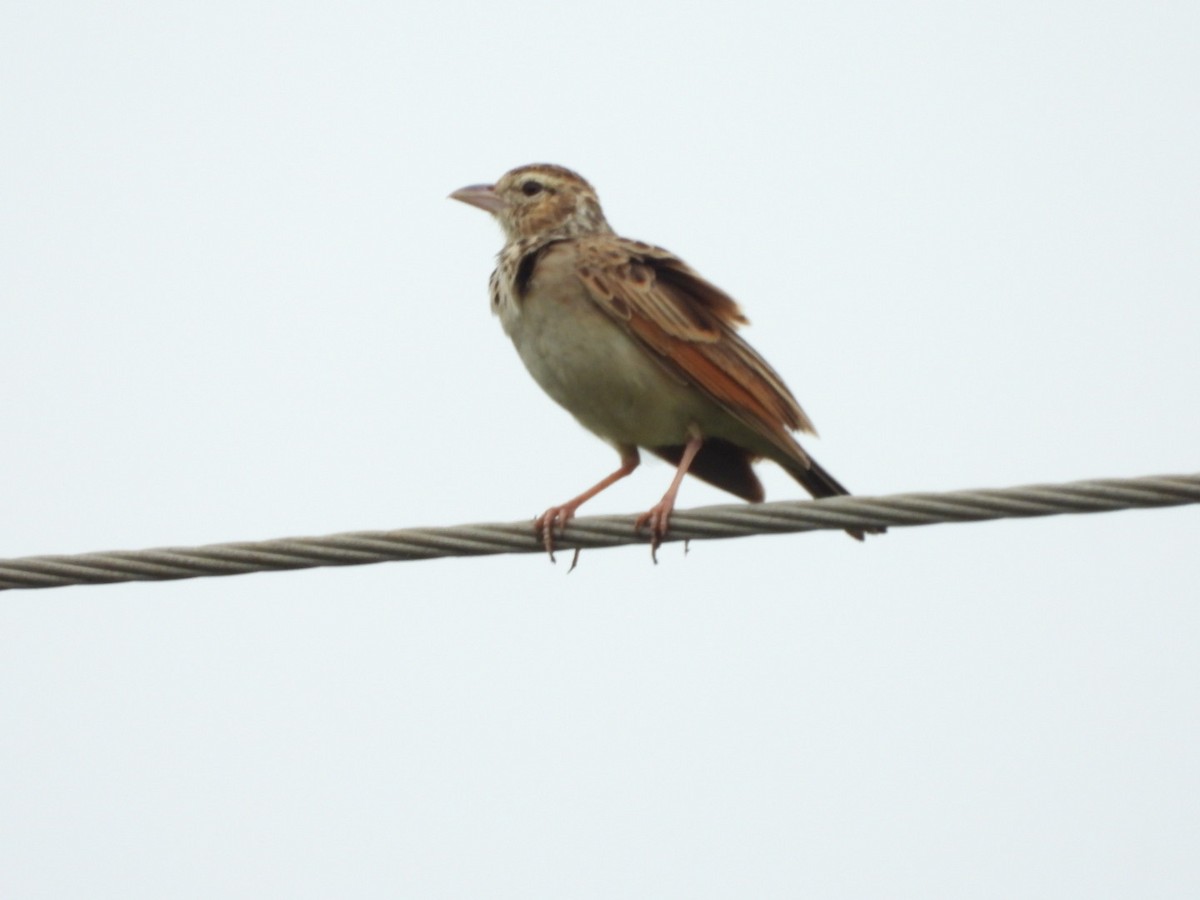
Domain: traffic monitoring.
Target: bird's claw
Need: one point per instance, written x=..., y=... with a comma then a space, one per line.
x=551, y=523
x=658, y=519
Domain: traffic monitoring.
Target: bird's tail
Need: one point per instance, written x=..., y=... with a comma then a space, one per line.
x=818, y=482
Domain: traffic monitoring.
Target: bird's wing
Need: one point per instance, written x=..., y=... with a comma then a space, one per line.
x=690, y=325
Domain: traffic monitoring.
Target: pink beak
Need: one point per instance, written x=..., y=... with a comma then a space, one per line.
x=482, y=195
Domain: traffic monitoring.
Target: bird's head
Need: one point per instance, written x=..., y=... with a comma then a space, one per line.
x=539, y=199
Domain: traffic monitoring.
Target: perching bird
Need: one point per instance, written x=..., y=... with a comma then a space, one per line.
x=640, y=349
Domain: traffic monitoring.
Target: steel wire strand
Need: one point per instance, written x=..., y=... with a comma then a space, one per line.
x=740, y=520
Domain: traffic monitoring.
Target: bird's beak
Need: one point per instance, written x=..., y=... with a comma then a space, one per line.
x=482, y=195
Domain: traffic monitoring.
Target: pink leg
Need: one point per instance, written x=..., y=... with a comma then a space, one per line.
x=555, y=519
x=659, y=516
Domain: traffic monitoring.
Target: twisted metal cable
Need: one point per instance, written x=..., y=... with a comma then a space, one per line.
x=358, y=548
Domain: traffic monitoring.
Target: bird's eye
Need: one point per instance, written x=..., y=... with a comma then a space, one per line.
x=530, y=188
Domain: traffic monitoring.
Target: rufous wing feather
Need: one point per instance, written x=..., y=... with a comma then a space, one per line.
x=690, y=325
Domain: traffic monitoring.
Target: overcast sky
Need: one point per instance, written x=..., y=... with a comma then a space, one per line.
x=238, y=305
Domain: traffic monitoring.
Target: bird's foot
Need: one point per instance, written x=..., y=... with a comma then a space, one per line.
x=551, y=524
x=658, y=520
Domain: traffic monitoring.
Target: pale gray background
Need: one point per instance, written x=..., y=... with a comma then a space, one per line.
x=236, y=305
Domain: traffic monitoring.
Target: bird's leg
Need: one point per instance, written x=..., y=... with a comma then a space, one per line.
x=555, y=519
x=659, y=516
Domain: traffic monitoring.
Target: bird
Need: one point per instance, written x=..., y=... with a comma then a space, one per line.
x=638, y=347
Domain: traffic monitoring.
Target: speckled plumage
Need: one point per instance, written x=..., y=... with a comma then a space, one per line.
x=636, y=345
